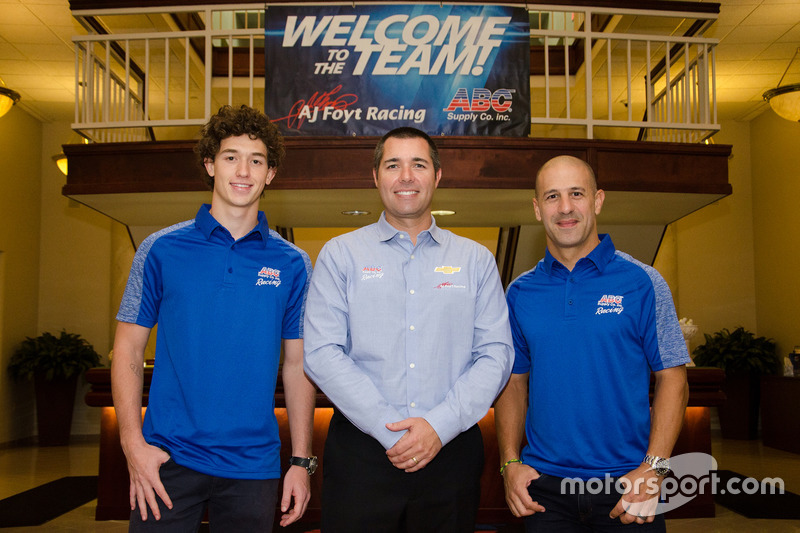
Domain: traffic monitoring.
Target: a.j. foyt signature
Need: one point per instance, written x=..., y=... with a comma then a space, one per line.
x=295, y=118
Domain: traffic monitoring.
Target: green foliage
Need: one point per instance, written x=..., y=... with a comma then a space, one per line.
x=56, y=357
x=738, y=352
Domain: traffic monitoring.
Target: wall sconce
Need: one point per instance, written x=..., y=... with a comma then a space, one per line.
x=785, y=101
x=7, y=99
x=60, y=160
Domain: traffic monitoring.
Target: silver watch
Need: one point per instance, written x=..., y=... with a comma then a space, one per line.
x=660, y=465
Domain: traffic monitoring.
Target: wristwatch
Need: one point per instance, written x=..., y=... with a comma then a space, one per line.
x=309, y=463
x=660, y=465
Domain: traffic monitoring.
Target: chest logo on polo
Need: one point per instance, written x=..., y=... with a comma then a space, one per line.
x=447, y=269
x=609, y=303
x=371, y=272
x=269, y=276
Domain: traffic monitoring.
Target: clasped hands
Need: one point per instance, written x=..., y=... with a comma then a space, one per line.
x=417, y=447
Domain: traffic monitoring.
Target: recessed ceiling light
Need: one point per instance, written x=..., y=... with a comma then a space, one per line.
x=442, y=212
x=355, y=213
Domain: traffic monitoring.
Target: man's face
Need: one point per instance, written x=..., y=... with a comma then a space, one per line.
x=240, y=171
x=568, y=203
x=406, y=180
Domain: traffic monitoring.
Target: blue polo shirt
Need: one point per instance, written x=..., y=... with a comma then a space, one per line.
x=590, y=339
x=222, y=307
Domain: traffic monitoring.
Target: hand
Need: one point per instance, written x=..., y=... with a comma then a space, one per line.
x=638, y=503
x=517, y=478
x=297, y=485
x=144, y=462
x=417, y=447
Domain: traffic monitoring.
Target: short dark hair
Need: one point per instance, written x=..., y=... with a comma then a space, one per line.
x=231, y=122
x=406, y=133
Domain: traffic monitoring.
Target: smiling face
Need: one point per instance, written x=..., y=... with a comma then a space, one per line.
x=406, y=179
x=567, y=202
x=240, y=173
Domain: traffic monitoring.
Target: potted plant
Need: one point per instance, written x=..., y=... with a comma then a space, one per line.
x=54, y=364
x=744, y=358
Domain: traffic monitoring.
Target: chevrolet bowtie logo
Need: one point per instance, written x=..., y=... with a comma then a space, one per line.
x=447, y=269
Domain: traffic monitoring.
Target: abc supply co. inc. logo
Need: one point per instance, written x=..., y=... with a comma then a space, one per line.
x=693, y=474
x=483, y=104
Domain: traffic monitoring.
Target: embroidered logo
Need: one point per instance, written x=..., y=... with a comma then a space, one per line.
x=268, y=276
x=447, y=269
x=609, y=303
x=371, y=272
x=448, y=285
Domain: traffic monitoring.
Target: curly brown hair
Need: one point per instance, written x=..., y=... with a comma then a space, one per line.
x=231, y=122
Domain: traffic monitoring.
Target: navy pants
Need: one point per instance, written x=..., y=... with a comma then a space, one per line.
x=233, y=505
x=567, y=512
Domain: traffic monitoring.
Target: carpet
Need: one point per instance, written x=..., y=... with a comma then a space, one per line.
x=784, y=506
x=36, y=506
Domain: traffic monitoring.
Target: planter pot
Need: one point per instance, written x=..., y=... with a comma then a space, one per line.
x=738, y=416
x=54, y=406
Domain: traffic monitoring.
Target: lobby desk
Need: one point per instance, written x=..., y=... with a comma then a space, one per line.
x=113, y=481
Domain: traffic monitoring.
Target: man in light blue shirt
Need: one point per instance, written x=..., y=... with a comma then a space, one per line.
x=406, y=332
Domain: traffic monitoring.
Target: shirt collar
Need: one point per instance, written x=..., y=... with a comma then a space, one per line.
x=207, y=224
x=600, y=256
x=386, y=231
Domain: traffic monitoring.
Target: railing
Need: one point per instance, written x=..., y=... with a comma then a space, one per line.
x=643, y=79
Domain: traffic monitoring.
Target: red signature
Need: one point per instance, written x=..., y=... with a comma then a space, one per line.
x=318, y=101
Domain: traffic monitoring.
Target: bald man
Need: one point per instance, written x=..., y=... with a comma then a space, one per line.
x=589, y=324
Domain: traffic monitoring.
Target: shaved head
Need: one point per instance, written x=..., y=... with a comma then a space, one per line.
x=567, y=160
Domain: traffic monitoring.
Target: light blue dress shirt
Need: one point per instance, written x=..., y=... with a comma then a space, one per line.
x=394, y=330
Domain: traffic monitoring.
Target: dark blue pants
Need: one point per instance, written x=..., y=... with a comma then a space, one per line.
x=566, y=512
x=363, y=492
x=233, y=505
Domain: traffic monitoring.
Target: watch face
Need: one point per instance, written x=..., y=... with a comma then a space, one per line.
x=662, y=467
x=312, y=465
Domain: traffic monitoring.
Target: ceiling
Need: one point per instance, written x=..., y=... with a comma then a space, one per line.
x=757, y=41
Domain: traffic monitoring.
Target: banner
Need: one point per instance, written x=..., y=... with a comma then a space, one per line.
x=366, y=69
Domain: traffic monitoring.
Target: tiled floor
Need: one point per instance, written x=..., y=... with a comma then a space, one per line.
x=27, y=467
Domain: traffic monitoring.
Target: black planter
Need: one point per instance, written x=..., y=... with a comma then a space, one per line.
x=54, y=406
x=738, y=416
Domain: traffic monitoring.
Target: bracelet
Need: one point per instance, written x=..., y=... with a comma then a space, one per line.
x=502, y=468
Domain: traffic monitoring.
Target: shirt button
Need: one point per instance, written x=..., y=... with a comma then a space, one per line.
x=570, y=302
x=412, y=365
x=230, y=270
x=411, y=291
x=411, y=328
x=413, y=404
x=402, y=236
x=412, y=256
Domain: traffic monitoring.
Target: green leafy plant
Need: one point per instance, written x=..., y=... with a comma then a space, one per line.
x=738, y=352
x=55, y=357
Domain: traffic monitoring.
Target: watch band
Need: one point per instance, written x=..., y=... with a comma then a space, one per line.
x=309, y=463
x=660, y=465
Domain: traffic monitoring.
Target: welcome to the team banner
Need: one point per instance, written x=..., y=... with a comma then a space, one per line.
x=366, y=69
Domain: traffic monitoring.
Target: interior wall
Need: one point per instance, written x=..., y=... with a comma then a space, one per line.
x=713, y=267
x=20, y=150
x=75, y=267
x=775, y=149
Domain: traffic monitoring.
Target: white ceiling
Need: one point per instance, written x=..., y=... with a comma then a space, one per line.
x=757, y=41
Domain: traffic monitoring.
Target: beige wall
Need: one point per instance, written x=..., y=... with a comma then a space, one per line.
x=75, y=267
x=20, y=191
x=711, y=270
x=775, y=151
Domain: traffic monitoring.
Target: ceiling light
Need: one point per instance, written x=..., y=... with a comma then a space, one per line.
x=442, y=212
x=61, y=161
x=785, y=101
x=7, y=99
x=355, y=213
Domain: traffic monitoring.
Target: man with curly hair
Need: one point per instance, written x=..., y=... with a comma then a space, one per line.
x=227, y=294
